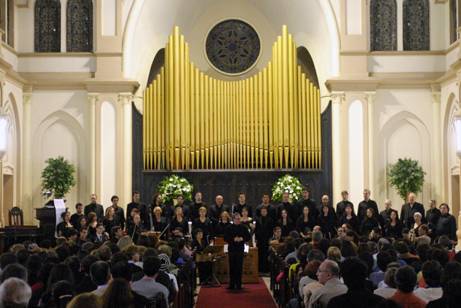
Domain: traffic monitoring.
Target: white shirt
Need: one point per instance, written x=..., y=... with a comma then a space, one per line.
x=385, y=292
x=428, y=294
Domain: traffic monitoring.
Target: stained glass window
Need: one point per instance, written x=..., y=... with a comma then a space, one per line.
x=416, y=35
x=383, y=25
x=47, y=26
x=80, y=25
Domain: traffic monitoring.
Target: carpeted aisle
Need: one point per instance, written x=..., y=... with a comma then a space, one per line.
x=252, y=296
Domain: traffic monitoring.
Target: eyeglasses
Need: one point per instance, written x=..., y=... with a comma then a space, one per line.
x=320, y=271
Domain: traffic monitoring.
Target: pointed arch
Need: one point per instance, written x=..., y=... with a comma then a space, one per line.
x=383, y=25
x=416, y=35
x=79, y=25
x=47, y=23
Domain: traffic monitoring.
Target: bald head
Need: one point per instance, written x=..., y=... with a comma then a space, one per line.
x=328, y=270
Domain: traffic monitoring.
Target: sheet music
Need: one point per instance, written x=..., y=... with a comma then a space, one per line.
x=246, y=248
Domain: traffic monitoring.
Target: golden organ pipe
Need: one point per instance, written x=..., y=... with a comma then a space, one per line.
x=192, y=121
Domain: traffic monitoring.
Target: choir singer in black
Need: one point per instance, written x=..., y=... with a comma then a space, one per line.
x=236, y=235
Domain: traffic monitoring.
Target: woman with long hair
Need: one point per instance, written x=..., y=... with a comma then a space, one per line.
x=327, y=221
x=394, y=226
x=224, y=221
x=110, y=220
x=65, y=225
x=285, y=223
x=204, y=266
x=118, y=295
x=304, y=222
x=349, y=218
x=369, y=223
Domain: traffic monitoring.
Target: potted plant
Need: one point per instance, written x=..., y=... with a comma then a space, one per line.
x=406, y=176
x=58, y=177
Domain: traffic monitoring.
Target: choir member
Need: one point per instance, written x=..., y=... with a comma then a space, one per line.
x=110, y=219
x=135, y=227
x=136, y=204
x=325, y=201
x=366, y=204
x=75, y=218
x=94, y=207
x=179, y=221
x=217, y=208
x=204, y=223
x=369, y=223
x=306, y=200
x=237, y=208
x=394, y=226
x=63, y=227
x=304, y=224
x=118, y=211
x=92, y=223
x=418, y=222
x=181, y=203
x=236, y=235
x=327, y=222
x=82, y=223
x=196, y=205
x=157, y=222
x=432, y=215
x=291, y=209
x=341, y=205
x=446, y=224
x=349, y=218
x=285, y=223
x=199, y=244
x=385, y=214
x=221, y=226
x=266, y=203
x=409, y=209
x=263, y=233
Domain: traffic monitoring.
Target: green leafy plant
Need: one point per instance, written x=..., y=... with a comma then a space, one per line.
x=58, y=177
x=173, y=186
x=287, y=183
x=406, y=176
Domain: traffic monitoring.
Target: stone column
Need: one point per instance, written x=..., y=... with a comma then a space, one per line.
x=93, y=99
x=370, y=96
x=125, y=99
x=436, y=191
x=26, y=168
x=338, y=143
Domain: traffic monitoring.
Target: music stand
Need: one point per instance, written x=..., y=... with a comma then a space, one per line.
x=216, y=255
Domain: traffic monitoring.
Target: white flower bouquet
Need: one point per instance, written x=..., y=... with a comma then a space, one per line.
x=173, y=186
x=289, y=184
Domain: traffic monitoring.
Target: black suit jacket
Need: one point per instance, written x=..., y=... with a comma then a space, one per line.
x=407, y=212
x=96, y=208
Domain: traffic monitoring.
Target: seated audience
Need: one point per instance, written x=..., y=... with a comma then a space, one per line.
x=328, y=275
x=405, y=279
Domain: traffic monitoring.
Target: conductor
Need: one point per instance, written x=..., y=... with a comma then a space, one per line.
x=236, y=235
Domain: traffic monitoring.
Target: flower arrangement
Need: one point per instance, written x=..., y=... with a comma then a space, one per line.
x=173, y=186
x=287, y=183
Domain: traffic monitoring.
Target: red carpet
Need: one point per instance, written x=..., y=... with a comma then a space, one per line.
x=252, y=296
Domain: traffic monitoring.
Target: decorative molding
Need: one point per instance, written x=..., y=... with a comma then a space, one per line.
x=116, y=86
x=22, y=3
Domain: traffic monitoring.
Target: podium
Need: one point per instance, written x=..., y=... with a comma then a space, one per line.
x=47, y=217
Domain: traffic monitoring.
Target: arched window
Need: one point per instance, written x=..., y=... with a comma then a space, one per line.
x=453, y=24
x=416, y=34
x=47, y=26
x=383, y=25
x=80, y=25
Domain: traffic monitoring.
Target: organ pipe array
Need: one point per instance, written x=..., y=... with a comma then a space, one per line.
x=269, y=121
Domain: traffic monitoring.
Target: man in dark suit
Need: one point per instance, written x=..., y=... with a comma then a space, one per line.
x=217, y=208
x=237, y=208
x=366, y=204
x=306, y=200
x=236, y=235
x=409, y=209
x=94, y=207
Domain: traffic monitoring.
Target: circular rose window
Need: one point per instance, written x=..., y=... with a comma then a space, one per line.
x=232, y=46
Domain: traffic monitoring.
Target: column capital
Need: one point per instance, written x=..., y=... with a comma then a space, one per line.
x=93, y=97
x=125, y=97
x=338, y=97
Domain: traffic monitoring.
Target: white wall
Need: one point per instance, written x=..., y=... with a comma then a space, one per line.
x=108, y=152
x=60, y=128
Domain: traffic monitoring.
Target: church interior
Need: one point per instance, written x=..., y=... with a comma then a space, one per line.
x=230, y=95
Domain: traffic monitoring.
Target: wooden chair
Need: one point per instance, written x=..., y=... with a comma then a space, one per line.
x=16, y=217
